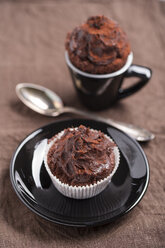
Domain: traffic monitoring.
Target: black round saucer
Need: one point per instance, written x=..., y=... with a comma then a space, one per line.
x=35, y=189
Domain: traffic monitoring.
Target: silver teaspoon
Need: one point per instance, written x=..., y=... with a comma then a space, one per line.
x=46, y=102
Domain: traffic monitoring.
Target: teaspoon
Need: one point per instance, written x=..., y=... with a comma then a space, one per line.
x=46, y=102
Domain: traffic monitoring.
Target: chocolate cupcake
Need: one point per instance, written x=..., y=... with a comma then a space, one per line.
x=98, y=46
x=81, y=161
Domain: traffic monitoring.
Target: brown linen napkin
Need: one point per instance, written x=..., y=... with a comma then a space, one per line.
x=32, y=36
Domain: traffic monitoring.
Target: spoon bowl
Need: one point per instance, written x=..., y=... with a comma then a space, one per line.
x=39, y=99
x=46, y=102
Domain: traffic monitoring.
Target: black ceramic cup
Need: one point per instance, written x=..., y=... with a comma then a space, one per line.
x=100, y=91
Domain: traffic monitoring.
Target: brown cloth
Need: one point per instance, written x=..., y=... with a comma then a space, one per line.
x=32, y=36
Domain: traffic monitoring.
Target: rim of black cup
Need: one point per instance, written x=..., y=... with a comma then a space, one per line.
x=97, y=76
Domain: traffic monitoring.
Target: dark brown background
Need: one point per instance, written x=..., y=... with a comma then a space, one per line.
x=32, y=35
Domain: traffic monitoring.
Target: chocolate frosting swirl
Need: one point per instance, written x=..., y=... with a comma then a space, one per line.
x=98, y=46
x=81, y=156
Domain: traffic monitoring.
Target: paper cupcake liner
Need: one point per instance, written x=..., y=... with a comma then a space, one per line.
x=81, y=192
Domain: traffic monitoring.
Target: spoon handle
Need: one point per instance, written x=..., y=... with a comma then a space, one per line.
x=140, y=134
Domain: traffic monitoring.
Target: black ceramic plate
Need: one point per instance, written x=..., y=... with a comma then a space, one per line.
x=35, y=189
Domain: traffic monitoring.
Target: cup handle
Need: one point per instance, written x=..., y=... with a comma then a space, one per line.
x=144, y=73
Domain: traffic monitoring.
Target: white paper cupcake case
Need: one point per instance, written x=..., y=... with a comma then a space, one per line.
x=80, y=192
